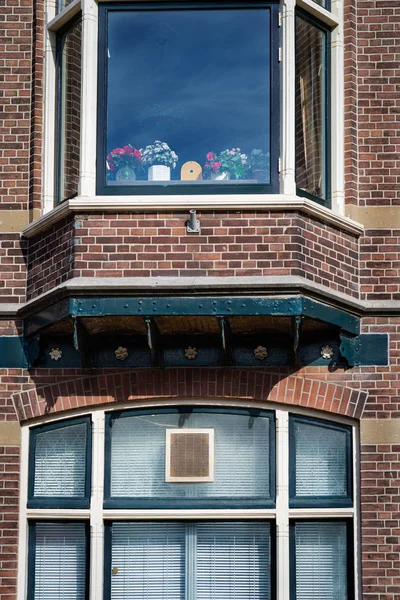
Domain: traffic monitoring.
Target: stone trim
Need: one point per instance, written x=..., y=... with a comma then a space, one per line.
x=382, y=431
x=260, y=202
x=375, y=217
x=10, y=433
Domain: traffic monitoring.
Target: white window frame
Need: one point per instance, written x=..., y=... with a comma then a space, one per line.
x=97, y=515
x=87, y=185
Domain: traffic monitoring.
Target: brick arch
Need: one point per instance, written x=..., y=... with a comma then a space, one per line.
x=185, y=384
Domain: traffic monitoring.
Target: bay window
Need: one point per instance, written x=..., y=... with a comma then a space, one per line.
x=158, y=99
x=237, y=536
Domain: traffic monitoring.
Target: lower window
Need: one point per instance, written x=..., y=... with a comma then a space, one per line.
x=211, y=538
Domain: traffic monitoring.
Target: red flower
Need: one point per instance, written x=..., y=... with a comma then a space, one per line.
x=118, y=151
x=137, y=153
x=128, y=150
x=209, y=156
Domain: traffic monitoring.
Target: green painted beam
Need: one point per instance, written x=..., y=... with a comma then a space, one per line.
x=208, y=306
x=12, y=353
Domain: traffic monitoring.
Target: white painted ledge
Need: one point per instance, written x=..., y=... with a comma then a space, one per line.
x=244, y=202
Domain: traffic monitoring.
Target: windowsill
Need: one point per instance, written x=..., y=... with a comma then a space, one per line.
x=245, y=202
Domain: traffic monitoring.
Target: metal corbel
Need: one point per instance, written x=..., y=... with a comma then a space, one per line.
x=225, y=337
x=296, y=327
x=82, y=340
x=153, y=341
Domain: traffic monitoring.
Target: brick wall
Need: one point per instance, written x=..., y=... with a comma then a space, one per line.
x=380, y=264
x=378, y=102
x=380, y=509
x=15, y=107
x=241, y=244
x=12, y=268
x=50, y=260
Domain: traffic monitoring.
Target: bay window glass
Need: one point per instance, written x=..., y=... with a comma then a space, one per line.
x=242, y=457
x=202, y=561
x=69, y=71
x=188, y=96
x=59, y=570
x=60, y=461
x=320, y=560
x=311, y=108
x=321, y=463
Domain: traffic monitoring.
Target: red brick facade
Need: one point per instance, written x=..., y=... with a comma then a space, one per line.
x=256, y=243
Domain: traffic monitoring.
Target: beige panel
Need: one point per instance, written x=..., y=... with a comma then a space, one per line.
x=383, y=431
x=375, y=217
x=10, y=434
x=13, y=221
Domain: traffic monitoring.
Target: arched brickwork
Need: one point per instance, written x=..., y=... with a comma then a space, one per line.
x=179, y=384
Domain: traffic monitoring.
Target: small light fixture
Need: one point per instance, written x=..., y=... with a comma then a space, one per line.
x=193, y=224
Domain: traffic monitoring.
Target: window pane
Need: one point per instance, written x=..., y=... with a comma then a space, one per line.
x=241, y=453
x=178, y=560
x=69, y=135
x=197, y=81
x=60, y=462
x=321, y=561
x=60, y=561
x=321, y=460
x=148, y=561
x=311, y=112
x=233, y=561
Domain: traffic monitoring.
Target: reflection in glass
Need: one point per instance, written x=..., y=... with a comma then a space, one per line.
x=69, y=136
x=188, y=91
x=310, y=108
x=63, y=4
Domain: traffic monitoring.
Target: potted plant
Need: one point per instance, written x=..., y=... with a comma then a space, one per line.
x=122, y=163
x=229, y=164
x=160, y=159
x=259, y=163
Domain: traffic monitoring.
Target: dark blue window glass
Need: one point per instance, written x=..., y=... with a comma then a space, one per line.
x=187, y=97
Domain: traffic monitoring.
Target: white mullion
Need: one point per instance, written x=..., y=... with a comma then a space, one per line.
x=288, y=93
x=356, y=518
x=49, y=152
x=45, y=514
x=321, y=513
x=96, y=504
x=282, y=504
x=87, y=178
x=185, y=514
x=337, y=110
x=23, y=532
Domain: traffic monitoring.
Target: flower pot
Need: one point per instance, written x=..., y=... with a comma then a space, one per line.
x=222, y=176
x=159, y=173
x=125, y=174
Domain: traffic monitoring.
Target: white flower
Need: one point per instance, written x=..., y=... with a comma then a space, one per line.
x=55, y=354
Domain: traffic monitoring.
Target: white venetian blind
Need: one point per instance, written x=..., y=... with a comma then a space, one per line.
x=321, y=561
x=60, y=561
x=148, y=561
x=241, y=454
x=60, y=462
x=321, y=460
x=233, y=561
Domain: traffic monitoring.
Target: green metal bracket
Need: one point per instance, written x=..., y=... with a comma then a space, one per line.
x=365, y=349
x=12, y=353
